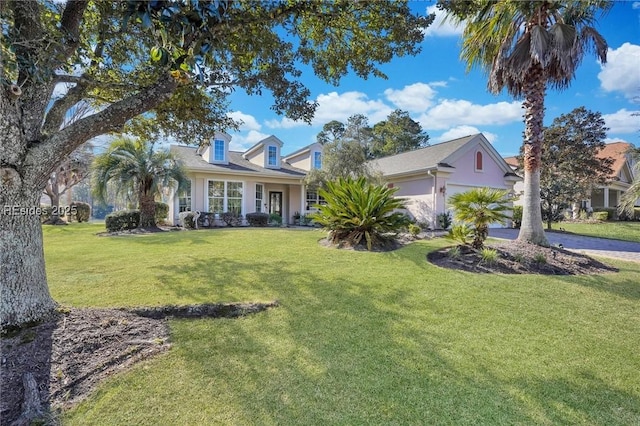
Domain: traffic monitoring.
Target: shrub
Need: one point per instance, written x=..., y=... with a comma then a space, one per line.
x=540, y=258
x=122, y=220
x=231, y=218
x=360, y=213
x=517, y=216
x=461, y=233
x=444, y=220
x=488, y=255
x=186, y=219
x=80, y=211
x=414, y=229
x=275, y=219
x=454, y=252
x=602, y=216
x=611, y=212
x=162, y=210
x=518, y=257
x=258, y=219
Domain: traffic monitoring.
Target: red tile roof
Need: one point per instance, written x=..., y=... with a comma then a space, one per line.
x=617, y=151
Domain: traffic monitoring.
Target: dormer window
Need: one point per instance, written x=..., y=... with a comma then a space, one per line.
x=272, y=156
x=317, y=160
x=478, y=161
x=218, y=150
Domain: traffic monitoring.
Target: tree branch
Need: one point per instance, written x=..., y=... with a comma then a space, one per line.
x=43, y=157
x=70, y=26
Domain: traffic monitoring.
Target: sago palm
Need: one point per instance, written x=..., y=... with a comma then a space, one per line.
x=632, y=194
x=480, y=207
x=357, y=211
x=133, y=166
x=525, y=46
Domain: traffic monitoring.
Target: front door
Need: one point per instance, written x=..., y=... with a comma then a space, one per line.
x=275, y=203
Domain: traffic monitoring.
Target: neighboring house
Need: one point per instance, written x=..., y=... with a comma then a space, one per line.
x=262, y=180
x=604, y=196
x=427, y=177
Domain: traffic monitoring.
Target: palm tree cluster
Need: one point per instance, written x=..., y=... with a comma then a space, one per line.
x=135, y=167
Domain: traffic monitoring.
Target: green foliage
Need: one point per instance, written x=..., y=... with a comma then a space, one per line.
x=601, y=216
x=275, y=219
x=540, y=258
x=444, y=220
x=454, y=252
x=488, y=255
x=516, y=216
x=162, y=210
x=135, y=167
x=82, y=211
x=122, y=220
x=480, y=207
x=612, y=212
x=628, y=200
x=414, y=229
x=461, y=233
x=231, y=218
x=398, y=133
x=258, y=219
x=358, y=212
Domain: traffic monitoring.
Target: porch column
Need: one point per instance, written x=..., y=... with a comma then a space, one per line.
x=303, y=199
x=606, y=197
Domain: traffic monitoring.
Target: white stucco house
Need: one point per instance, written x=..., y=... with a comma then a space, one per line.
x=261, y=179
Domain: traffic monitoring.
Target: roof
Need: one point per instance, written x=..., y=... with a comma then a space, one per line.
x=237, y=164
x=617, y=151
x=301, y=150
x=258, y=145
x=420, y=159
x=512, y=161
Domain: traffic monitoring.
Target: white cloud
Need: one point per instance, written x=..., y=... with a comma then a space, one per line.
x=622, y=121
x=635, y=5
x=248, y=121
x=620, y=73
x=334, y=106
x=413, y=98
x=242, y=142
x=441, y=27
x=462, y=131
x=452, y=112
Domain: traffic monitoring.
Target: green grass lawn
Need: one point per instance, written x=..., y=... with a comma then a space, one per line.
x=627, y=231
x=359, y=338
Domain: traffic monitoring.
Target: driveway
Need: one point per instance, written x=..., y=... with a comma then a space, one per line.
x=623, y=250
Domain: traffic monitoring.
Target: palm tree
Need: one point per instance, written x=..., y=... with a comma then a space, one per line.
x=133, y=166
x=480, y=207
x=525, y=46
x=631, y=195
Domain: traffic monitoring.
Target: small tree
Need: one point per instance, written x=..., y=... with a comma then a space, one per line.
x=629, y=198
x=358, y=212
x=398, y=133
x=480, y=207
x=135, y=167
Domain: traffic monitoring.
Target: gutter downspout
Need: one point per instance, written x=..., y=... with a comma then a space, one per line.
x=434, y=218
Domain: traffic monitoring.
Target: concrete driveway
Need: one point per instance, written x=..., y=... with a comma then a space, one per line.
x=623, y=250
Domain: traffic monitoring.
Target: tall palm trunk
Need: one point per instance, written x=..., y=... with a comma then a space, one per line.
x=147, y=209
x=531, y=229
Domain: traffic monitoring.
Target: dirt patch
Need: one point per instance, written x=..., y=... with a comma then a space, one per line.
x=75, y=349
x=515, y=257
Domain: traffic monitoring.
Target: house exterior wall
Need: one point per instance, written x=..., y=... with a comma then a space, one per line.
x=418, y=193
x=301, y=161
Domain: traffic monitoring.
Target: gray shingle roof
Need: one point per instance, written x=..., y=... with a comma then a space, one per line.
x=237, y=164
x=420, y=159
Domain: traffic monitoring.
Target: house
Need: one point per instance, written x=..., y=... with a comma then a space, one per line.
x=261, y=179
x=603, y=196
x=427, y=177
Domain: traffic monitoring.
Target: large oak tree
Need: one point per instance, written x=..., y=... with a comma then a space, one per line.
x=174, y=62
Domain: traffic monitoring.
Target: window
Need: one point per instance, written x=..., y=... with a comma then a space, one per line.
x=216, y=196
x=218, y=150
x=478, y=161
x=313, y=199
x=317, y=160
x=272, y=156
x=259, y=197
x=184, y=199
x=225, y=197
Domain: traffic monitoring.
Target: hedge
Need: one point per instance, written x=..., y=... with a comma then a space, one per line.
x=82, y=211
x=162, y=210
x=257, y=219
x=122, y=220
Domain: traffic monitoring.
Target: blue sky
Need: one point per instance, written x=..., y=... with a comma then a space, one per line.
x=449, y=103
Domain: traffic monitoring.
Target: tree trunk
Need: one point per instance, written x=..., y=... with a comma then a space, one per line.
x=531, y=229
x=24, y=294
x=147, y=211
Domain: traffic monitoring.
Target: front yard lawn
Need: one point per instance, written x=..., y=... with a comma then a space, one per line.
x=627, y=231
x=358, y=337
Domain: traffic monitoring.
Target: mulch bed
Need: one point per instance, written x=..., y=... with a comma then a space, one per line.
x=69, y=354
